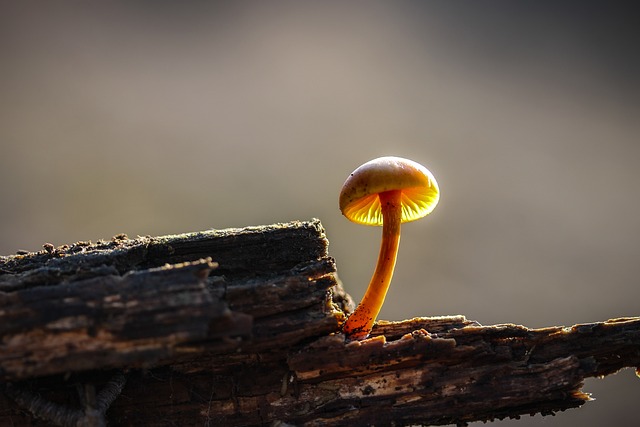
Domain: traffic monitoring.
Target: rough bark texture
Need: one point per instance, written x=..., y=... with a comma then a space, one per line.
x=241, y=327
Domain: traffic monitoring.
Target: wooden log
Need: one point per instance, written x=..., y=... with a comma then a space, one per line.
x=242, y=327
x=459, y=371
x=111, y=304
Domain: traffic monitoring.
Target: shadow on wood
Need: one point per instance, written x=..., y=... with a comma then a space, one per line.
x=242, y=327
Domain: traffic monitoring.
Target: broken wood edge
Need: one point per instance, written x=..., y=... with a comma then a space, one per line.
x=459, y=371
x=82, y=306
x=173, y=315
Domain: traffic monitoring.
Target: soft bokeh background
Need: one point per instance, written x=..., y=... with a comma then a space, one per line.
x=154, y=118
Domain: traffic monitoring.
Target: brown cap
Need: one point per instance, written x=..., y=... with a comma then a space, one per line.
x=359, y=200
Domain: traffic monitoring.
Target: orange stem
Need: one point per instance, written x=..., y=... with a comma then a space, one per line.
x=359, y=324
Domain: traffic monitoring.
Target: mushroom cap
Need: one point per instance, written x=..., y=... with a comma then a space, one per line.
x=359, y=200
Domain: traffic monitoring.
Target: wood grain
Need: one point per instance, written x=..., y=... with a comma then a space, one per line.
x=242, y=327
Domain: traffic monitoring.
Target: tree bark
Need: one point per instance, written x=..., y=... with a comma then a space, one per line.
x=242, y=327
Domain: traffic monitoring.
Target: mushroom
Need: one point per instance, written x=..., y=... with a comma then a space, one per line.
x=385, y=191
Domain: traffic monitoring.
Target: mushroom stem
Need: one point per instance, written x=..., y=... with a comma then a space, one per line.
x=359, y=324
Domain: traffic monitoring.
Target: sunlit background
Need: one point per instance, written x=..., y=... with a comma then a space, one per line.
x=150, y=118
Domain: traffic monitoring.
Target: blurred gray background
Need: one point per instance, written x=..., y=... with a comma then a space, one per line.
x=153, y=118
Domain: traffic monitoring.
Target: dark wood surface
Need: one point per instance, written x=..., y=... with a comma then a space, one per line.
x=242, y=327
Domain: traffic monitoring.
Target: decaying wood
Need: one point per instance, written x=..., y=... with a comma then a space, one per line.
x=242, y=327
x=133, y=303
x=460, y=371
